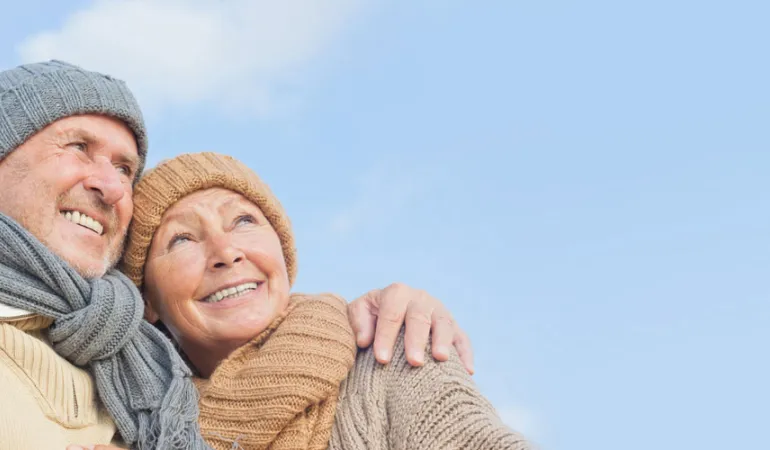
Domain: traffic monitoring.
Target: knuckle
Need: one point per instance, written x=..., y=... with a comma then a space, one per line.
x=355, y=308
x=445, y=319
x=462, y=339
x=419, y=318
x=392, y=317
x=398, y=287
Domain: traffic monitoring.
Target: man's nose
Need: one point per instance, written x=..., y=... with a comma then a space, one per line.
x=105, y=181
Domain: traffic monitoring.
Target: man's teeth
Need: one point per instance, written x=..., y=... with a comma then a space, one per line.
x=84, y=220
x=230, y=292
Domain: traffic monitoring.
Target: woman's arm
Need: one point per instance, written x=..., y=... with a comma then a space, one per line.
x=436, y=406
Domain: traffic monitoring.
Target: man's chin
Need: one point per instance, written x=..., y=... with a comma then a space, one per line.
x=90, y=268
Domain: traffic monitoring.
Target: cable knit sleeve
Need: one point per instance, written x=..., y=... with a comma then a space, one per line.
x=436, y=406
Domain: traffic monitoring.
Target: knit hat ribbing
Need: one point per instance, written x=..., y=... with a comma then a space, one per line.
x=32, y=96
x=174, y=179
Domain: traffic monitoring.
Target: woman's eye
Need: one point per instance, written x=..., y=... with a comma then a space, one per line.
x=178, y=239
x=244, y=219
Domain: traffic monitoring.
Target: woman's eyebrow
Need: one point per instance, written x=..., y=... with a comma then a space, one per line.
x=229, y=203
x=184, y=216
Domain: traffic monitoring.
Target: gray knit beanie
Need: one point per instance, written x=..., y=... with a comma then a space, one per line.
x=33, y=96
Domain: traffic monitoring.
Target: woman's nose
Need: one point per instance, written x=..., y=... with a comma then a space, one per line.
x=224, y=253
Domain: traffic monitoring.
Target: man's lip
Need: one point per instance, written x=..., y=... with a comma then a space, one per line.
x=97, y=217
x=229, y=285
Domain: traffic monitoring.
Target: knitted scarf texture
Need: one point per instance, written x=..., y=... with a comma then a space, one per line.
x=280, y=390
x=98, y=324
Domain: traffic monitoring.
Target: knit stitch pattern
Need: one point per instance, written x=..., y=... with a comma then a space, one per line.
x=177, y=178
x=98, y=324
x=433, y=407
x=33, y=96
x=280, y=390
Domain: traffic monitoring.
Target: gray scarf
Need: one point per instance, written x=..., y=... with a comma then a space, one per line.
x=98, y=324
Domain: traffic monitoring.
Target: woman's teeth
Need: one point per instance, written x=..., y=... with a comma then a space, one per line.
x=84, y=220
x=230, y=292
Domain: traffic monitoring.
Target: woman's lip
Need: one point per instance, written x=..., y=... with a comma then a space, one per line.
x=236, y=300
x=230, y=285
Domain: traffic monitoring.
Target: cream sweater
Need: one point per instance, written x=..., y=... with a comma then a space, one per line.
x=47, y=403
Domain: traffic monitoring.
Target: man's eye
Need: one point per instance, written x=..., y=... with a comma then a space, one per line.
x=81, y=146
x=124, y=170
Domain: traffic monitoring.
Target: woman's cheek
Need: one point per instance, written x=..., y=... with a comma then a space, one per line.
x=182, y=272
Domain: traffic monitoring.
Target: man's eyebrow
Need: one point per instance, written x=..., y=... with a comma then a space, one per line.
x=80, y=133
x=129, y=158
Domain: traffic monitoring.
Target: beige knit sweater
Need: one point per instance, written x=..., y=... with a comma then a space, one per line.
x=397, y=406
x=47, y=403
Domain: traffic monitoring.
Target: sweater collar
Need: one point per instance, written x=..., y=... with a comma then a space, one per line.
x=9, y=312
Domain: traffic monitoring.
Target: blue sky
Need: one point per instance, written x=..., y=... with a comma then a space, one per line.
x=583, y=183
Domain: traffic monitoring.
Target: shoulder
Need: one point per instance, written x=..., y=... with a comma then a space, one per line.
x=405, y=387
x=400, y=371
x=323, y=301
x=409, y=406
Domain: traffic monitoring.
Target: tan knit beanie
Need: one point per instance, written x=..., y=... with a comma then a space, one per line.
x=176, y=178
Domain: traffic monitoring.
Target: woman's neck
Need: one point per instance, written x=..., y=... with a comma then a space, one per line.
x=206, y=357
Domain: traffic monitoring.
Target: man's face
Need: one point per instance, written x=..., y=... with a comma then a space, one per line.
x=70, y=185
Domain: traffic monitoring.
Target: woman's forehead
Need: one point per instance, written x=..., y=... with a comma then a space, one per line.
x=205, y=201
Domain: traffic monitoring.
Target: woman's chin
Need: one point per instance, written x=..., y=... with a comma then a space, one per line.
x=240, y=329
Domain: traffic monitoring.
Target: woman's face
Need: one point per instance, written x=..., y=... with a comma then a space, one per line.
x=215, y=273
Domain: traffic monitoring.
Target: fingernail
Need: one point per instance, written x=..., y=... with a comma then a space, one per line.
x=418, y=357
x=383, y=355
x=442, y=350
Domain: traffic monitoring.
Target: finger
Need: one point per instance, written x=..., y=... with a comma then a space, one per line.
x=464, y=349
x=418, y=323
x=392, y=303
x=362, y=313
x=443, y=333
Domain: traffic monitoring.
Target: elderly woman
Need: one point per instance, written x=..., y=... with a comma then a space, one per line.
x=212, y=250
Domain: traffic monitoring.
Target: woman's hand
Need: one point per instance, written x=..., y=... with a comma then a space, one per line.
x=378, y=315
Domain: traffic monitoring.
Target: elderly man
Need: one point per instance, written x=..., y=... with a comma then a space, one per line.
x=77, y=362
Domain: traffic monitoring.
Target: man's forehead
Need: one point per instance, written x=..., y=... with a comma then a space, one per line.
x=94, y=123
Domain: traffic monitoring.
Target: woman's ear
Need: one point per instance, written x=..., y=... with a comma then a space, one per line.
x=150, y=314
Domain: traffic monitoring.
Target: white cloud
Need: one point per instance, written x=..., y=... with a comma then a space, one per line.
x=522, y=421
x=231, y=53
